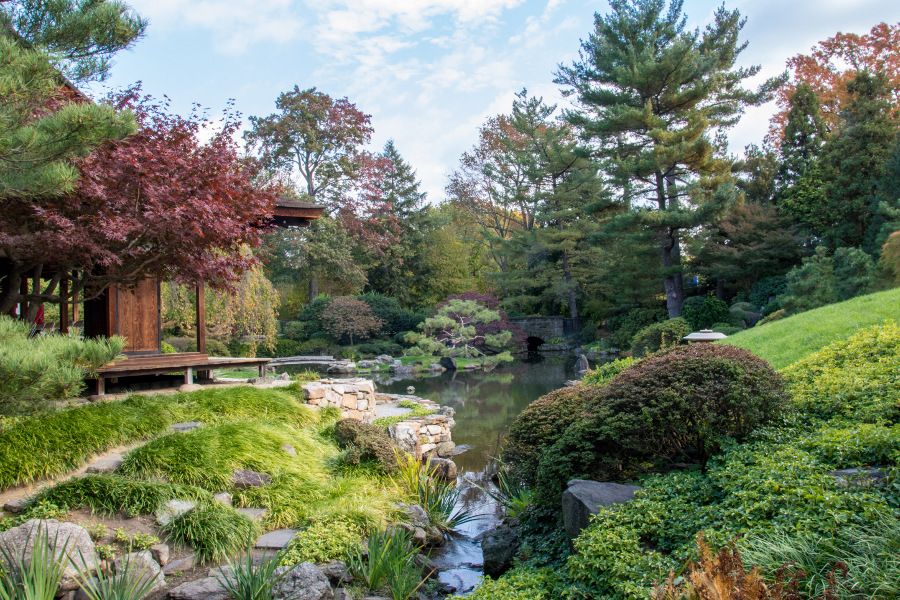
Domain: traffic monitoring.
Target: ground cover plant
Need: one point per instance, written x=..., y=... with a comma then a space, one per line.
x=788, y=340
x=775, y=493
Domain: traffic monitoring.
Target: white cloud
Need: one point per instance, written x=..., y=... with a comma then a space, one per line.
x=236, y=24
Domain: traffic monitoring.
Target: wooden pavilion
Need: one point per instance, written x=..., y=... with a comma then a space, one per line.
x=135, y=314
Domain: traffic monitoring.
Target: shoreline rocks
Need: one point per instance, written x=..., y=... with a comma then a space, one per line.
x=584, y=498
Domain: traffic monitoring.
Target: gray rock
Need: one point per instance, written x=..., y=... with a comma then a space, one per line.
x=173, y=509
x=284, y=377
x=447, y=410
x=16, y=507
x=583, y=498
x=107, y=464
x=254, y=514
x=336, y=571
x=419, y=536
x=71, y=545
x=160, y=553
x=275, y=540
x=179, y=565
x=445, y=449
x=223, y=498
x=415, y=515
x=434, y=537
x=582, y=365
x=208, y=588
x=384, y=359
x=499, y=547
x=402, y=369
x=302, y=582
x=448, y=362
x=444, y=468
x=141, y=567
x=244, y=478
x=185, y=427
x=342, y=594
x=462, y=448
x=288, y=449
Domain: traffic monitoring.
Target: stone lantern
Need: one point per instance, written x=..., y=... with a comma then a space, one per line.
x=704, y=335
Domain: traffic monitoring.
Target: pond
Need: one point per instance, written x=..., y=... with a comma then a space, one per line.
x=486, y=404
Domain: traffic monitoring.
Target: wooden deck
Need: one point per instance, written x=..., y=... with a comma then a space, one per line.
x=160, y=364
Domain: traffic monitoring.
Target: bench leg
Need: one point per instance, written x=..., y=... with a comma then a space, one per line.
x=101, y=385
x=189, y=376
x=262, y=371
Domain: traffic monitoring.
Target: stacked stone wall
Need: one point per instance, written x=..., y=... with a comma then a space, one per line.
x=354, y=397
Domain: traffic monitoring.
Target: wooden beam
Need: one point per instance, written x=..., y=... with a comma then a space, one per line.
x=64, y=303
x=201, y=317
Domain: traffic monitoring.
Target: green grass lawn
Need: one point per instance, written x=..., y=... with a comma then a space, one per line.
x=788, y=340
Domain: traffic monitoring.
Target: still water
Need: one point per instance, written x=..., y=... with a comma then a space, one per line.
x=486, y=403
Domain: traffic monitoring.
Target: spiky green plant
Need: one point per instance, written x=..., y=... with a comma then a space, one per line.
x=245, y=579
x=33, y=575
x=438, y=498
x=127, y=582
x=214, y=531
x=389, y=558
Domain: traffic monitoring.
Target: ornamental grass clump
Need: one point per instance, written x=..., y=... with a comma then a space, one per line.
x=388, y=564
x=249, y=579
x=215, y=532
x=437, y=497
x=364, y=443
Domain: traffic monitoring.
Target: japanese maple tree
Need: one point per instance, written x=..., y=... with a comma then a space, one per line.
x=158, y=203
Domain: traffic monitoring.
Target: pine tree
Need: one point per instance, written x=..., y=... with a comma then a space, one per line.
x=652, y=97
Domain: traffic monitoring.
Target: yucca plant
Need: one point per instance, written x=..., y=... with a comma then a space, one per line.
x=510, y=492
x=127, y=582
x=33, y=575
x=247, y=580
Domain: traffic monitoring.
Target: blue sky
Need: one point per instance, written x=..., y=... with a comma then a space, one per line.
x=428, y=71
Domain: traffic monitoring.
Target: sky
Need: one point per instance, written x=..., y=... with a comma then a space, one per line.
x=428, y=71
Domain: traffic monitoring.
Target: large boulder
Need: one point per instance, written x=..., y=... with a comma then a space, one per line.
x=444, y=468
x=584, y=498
x=448, y=362
x=71, y=543
x=302, y=582
x=499, y=547
x=173, y=509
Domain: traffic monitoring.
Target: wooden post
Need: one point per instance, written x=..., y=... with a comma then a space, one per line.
x=201, y=317
x=64, y=303
x=189, y=376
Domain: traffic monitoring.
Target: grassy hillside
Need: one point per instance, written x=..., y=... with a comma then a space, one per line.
x=788, y=340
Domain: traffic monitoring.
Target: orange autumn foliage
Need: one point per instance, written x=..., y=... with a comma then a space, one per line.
x=833, y=63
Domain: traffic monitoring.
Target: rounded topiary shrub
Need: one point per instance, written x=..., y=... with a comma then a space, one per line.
x=678, y=406
x=365, y=443
x=659, y=336
x=539, y=426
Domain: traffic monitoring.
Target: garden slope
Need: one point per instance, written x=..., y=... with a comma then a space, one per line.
x=788, y=340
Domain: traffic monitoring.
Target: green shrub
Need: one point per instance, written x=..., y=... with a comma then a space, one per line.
x=518, y=584
x=679, y=405
x=626, y=325
x=601, y=374
x=167, y=348
x=725, y=328
x=659, y=336
x=855, y=378
x=35, y=371
x=702, y=311
x=363, y=442
x=377, y=347
x=765, y=290
x=323, y=541
x=395, y=318
x=539, y=426
x=215, y=532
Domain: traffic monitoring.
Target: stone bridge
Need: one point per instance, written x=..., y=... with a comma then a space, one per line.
x=540, y=330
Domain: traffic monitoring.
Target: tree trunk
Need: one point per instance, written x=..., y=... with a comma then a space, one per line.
x=9, y=296
x=570, y=286
x=313, y=287
x=670, y=248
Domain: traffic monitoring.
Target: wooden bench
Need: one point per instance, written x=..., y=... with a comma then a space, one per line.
x=160, y=364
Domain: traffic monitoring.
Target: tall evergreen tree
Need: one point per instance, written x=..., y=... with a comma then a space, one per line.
x=401, y=271
x=652, y=95
x=854, y=163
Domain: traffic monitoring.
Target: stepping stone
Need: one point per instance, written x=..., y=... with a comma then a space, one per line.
x=107, y=464
x=243, y=479
x=275, y=540
x=187, y=426
x=208, y=588
x=15, y=507
x=254, y=514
